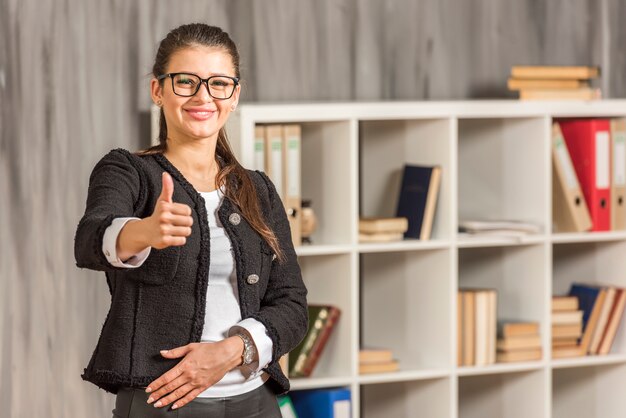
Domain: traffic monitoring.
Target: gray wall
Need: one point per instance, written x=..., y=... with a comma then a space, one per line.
x=73, y=85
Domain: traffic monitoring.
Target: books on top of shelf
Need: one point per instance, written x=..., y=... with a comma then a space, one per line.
x=476, y=316
x=304, y=358
x=518, y=341
x=375, y=229
x=564, y=303
x=377, y=360
x=554, y=82
x=417, y=200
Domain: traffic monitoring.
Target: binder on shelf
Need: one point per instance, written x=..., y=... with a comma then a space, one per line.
x=570, y=212
x=588, y=142
x=259, y=148
x=322, y=403
x=292, y=176
x=418, y=199
x=274, y=157
x=618, y=180
x=287, y=409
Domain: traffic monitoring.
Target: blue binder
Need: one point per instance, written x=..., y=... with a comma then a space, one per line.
x=322, y=403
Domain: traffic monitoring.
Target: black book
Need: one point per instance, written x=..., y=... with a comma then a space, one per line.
x=418, y=199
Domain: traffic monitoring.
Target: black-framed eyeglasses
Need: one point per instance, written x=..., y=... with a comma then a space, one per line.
x=220, y=87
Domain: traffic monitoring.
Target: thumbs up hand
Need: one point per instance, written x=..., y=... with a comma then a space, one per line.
x=170, y=223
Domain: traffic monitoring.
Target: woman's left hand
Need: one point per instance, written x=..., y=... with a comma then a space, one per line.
x=203, y=365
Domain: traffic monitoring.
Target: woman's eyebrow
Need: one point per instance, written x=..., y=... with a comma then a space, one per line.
x=194, y=73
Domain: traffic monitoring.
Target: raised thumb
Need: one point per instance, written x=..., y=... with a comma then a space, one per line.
x=167, y=189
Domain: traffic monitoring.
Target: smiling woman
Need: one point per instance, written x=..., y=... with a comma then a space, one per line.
x=207, y=293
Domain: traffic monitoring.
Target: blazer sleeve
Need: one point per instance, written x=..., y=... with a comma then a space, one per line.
x=284, y=307
x=114, y=188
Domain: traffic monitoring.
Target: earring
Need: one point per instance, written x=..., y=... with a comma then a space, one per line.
x=233, y=107
x=159, y=103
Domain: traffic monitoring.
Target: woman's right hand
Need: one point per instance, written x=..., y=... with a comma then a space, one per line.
x=170, y=223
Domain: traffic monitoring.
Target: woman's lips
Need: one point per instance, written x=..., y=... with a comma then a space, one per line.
x=200, y=115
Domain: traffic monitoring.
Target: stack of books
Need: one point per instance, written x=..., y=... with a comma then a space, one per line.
x=603, y=310
x=554, y=82
x=518, y=341
x=376, y=360
x=382, y=229
x=304, y=358
x=477, y=327
x=567, y=327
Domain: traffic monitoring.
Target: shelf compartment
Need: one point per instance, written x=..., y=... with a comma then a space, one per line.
x=424, y=398
x=386, y=146
x=517, y=273
x=503, y=169
x=574, y=237
x=374, y=378
x=404, y=245
x=511, y=395
x=405, y=304
x=500, y=368
x=303, y=383
x=587, y=361
x=328, y=165
x=328, y=279
x=600, y=263
x=589, y=392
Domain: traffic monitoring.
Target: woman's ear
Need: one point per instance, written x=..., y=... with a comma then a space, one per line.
x=155, y=90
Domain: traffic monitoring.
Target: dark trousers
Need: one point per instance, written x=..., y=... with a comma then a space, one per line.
x=259, y=403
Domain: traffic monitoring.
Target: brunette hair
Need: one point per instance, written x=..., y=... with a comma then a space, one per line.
x=244, y=196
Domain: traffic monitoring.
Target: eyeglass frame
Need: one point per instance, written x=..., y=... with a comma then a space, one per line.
x=202, y=81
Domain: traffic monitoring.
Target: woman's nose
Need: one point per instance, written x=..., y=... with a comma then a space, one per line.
x=203, y=93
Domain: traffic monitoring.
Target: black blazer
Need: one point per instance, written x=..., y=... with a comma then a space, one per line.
x=161, y=304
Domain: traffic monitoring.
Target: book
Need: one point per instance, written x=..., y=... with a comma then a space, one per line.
x=259, y=147
x=519, y=355
x=555, y=72
x=483, y=327
x=618, y=179
x=588, y=142
x=583, y=93
x=603, y=319
x=542, y=84
x=386, y=367
x=483, y=226
x=375, y=355
x=566, y=331
x=274, y=157
x=381, y=237
x=303, y=358
x=513, y=328
x=564, y=303
x=322, y=403
x=569, y=209
x=383, y=225
x=291, y=180
x=521, y=342
x=615, y=317
x=563, y=342
x=418, y=199
x=567, y=317
x=287, y=409
x=591, y=299
x=469, y=302
x=567, y=351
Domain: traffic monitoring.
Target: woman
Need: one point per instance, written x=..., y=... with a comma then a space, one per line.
x=197, y=253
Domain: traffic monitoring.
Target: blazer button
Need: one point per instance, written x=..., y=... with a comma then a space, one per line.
x=108, y=254
x=234, y=218
x=253, y=279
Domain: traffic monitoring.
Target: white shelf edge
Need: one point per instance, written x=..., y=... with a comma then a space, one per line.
x=319, y=382
x=329, y=249
x=500, y=368
x=575, y=237
x=482, y=241
x=405, y=245
x=587, y=361
x=403, y=376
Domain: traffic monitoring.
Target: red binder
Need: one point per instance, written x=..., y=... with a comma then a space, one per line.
x=589, y=145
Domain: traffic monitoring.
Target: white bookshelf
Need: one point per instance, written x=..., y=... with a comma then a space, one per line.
x=496, y=161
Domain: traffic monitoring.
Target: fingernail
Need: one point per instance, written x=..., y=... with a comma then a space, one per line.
x=164, y=351
x=156, y=405
x=174, y=406
x=150, y=400
x=148, y=389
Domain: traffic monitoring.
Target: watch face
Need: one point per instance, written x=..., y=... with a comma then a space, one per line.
x=247, y=357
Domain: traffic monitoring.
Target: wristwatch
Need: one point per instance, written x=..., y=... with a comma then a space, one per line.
x=249, y=350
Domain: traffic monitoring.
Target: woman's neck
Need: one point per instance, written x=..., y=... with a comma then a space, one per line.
x=196, y=161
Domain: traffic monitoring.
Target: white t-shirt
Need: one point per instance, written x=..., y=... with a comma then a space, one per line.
x=222, y=314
